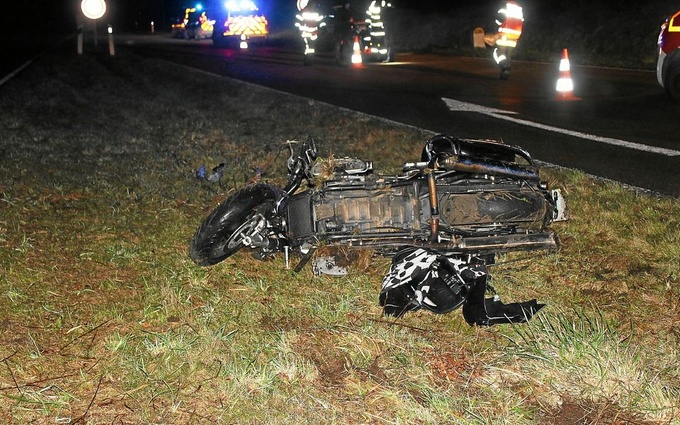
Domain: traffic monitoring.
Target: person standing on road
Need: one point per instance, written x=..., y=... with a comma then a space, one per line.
x=510, y=21
x=309, y=20
x=377, y=13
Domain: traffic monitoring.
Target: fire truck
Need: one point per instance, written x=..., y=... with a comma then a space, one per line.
x=242, y=24
x=195, y=24
x=668, y=64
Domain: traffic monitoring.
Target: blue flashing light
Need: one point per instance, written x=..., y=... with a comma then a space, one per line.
x=199, y=6
x=243, y=5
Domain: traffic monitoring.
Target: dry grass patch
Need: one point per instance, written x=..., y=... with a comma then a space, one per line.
x=106, y=320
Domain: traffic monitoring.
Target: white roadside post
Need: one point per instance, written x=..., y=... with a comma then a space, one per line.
x=112, y=50
x=80, y=38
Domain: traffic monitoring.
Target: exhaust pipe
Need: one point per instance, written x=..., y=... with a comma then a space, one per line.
x=476, y=167
x=506, y=243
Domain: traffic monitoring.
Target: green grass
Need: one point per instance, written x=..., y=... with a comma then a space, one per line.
x=105, y=319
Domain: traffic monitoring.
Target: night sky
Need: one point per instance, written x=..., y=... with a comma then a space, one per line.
x=49, y=16
x=27, y=21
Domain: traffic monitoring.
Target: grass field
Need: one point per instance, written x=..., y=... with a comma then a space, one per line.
x=105, y=319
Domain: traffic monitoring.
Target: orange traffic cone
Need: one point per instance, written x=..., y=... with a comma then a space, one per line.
x=565, y=85
x=356, y=52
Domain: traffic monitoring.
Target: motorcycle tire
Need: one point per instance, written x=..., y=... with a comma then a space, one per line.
x=672, y=81
x=211, y=243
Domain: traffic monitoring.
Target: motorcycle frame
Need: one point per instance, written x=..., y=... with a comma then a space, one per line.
x=441, y=172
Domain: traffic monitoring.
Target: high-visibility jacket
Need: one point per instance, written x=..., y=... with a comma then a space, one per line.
x=510, y=28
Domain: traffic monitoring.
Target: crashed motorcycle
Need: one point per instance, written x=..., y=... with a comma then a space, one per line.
x=442, y=220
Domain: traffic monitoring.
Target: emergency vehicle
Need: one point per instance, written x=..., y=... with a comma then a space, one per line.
x=668, y=64
x=243, y=23
x=194, y=24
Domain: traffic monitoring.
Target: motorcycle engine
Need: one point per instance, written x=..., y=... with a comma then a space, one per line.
x=342, y=169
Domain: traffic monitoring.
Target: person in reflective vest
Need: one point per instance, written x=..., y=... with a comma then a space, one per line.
x=510, y=21
x=309, y=20
x=380, y=36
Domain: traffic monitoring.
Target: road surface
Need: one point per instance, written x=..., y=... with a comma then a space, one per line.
x=620, y=127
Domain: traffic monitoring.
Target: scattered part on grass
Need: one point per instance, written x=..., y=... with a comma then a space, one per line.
x=214, y=177
x=327, y=266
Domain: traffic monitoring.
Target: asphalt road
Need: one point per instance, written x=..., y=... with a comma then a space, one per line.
x=621, y=127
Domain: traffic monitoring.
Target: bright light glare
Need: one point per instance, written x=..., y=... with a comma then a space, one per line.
x=564, y=85
x=93, y=9
x=311, y=16
x=356, y=55
x=512, y=11
x=238, y=6
x=564, y=65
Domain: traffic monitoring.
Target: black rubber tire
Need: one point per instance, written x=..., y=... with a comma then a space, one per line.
x=672, y=83
x=210, y=243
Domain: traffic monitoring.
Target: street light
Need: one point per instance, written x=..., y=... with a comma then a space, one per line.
x=92, y=9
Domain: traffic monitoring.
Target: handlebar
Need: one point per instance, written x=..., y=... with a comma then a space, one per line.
x=300, y=165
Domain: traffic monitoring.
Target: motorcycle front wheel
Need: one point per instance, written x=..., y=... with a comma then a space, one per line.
x=224, y=231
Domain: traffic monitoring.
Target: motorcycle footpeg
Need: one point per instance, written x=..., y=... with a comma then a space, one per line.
x=327, y=266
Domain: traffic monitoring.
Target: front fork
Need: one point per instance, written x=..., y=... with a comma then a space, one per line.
x=261, y=234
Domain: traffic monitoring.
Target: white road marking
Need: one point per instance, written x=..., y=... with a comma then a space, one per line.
x=456, y=105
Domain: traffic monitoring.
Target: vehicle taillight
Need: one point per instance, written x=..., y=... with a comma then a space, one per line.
x=663, y=29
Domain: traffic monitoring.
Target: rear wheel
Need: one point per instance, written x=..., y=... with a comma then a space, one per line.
x=672, y=83
x=229, y=227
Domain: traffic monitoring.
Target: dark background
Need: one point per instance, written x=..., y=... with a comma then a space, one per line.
x=59, y=14
x=606, y=32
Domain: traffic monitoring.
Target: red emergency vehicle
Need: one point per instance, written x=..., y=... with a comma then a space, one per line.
x=668, y=65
